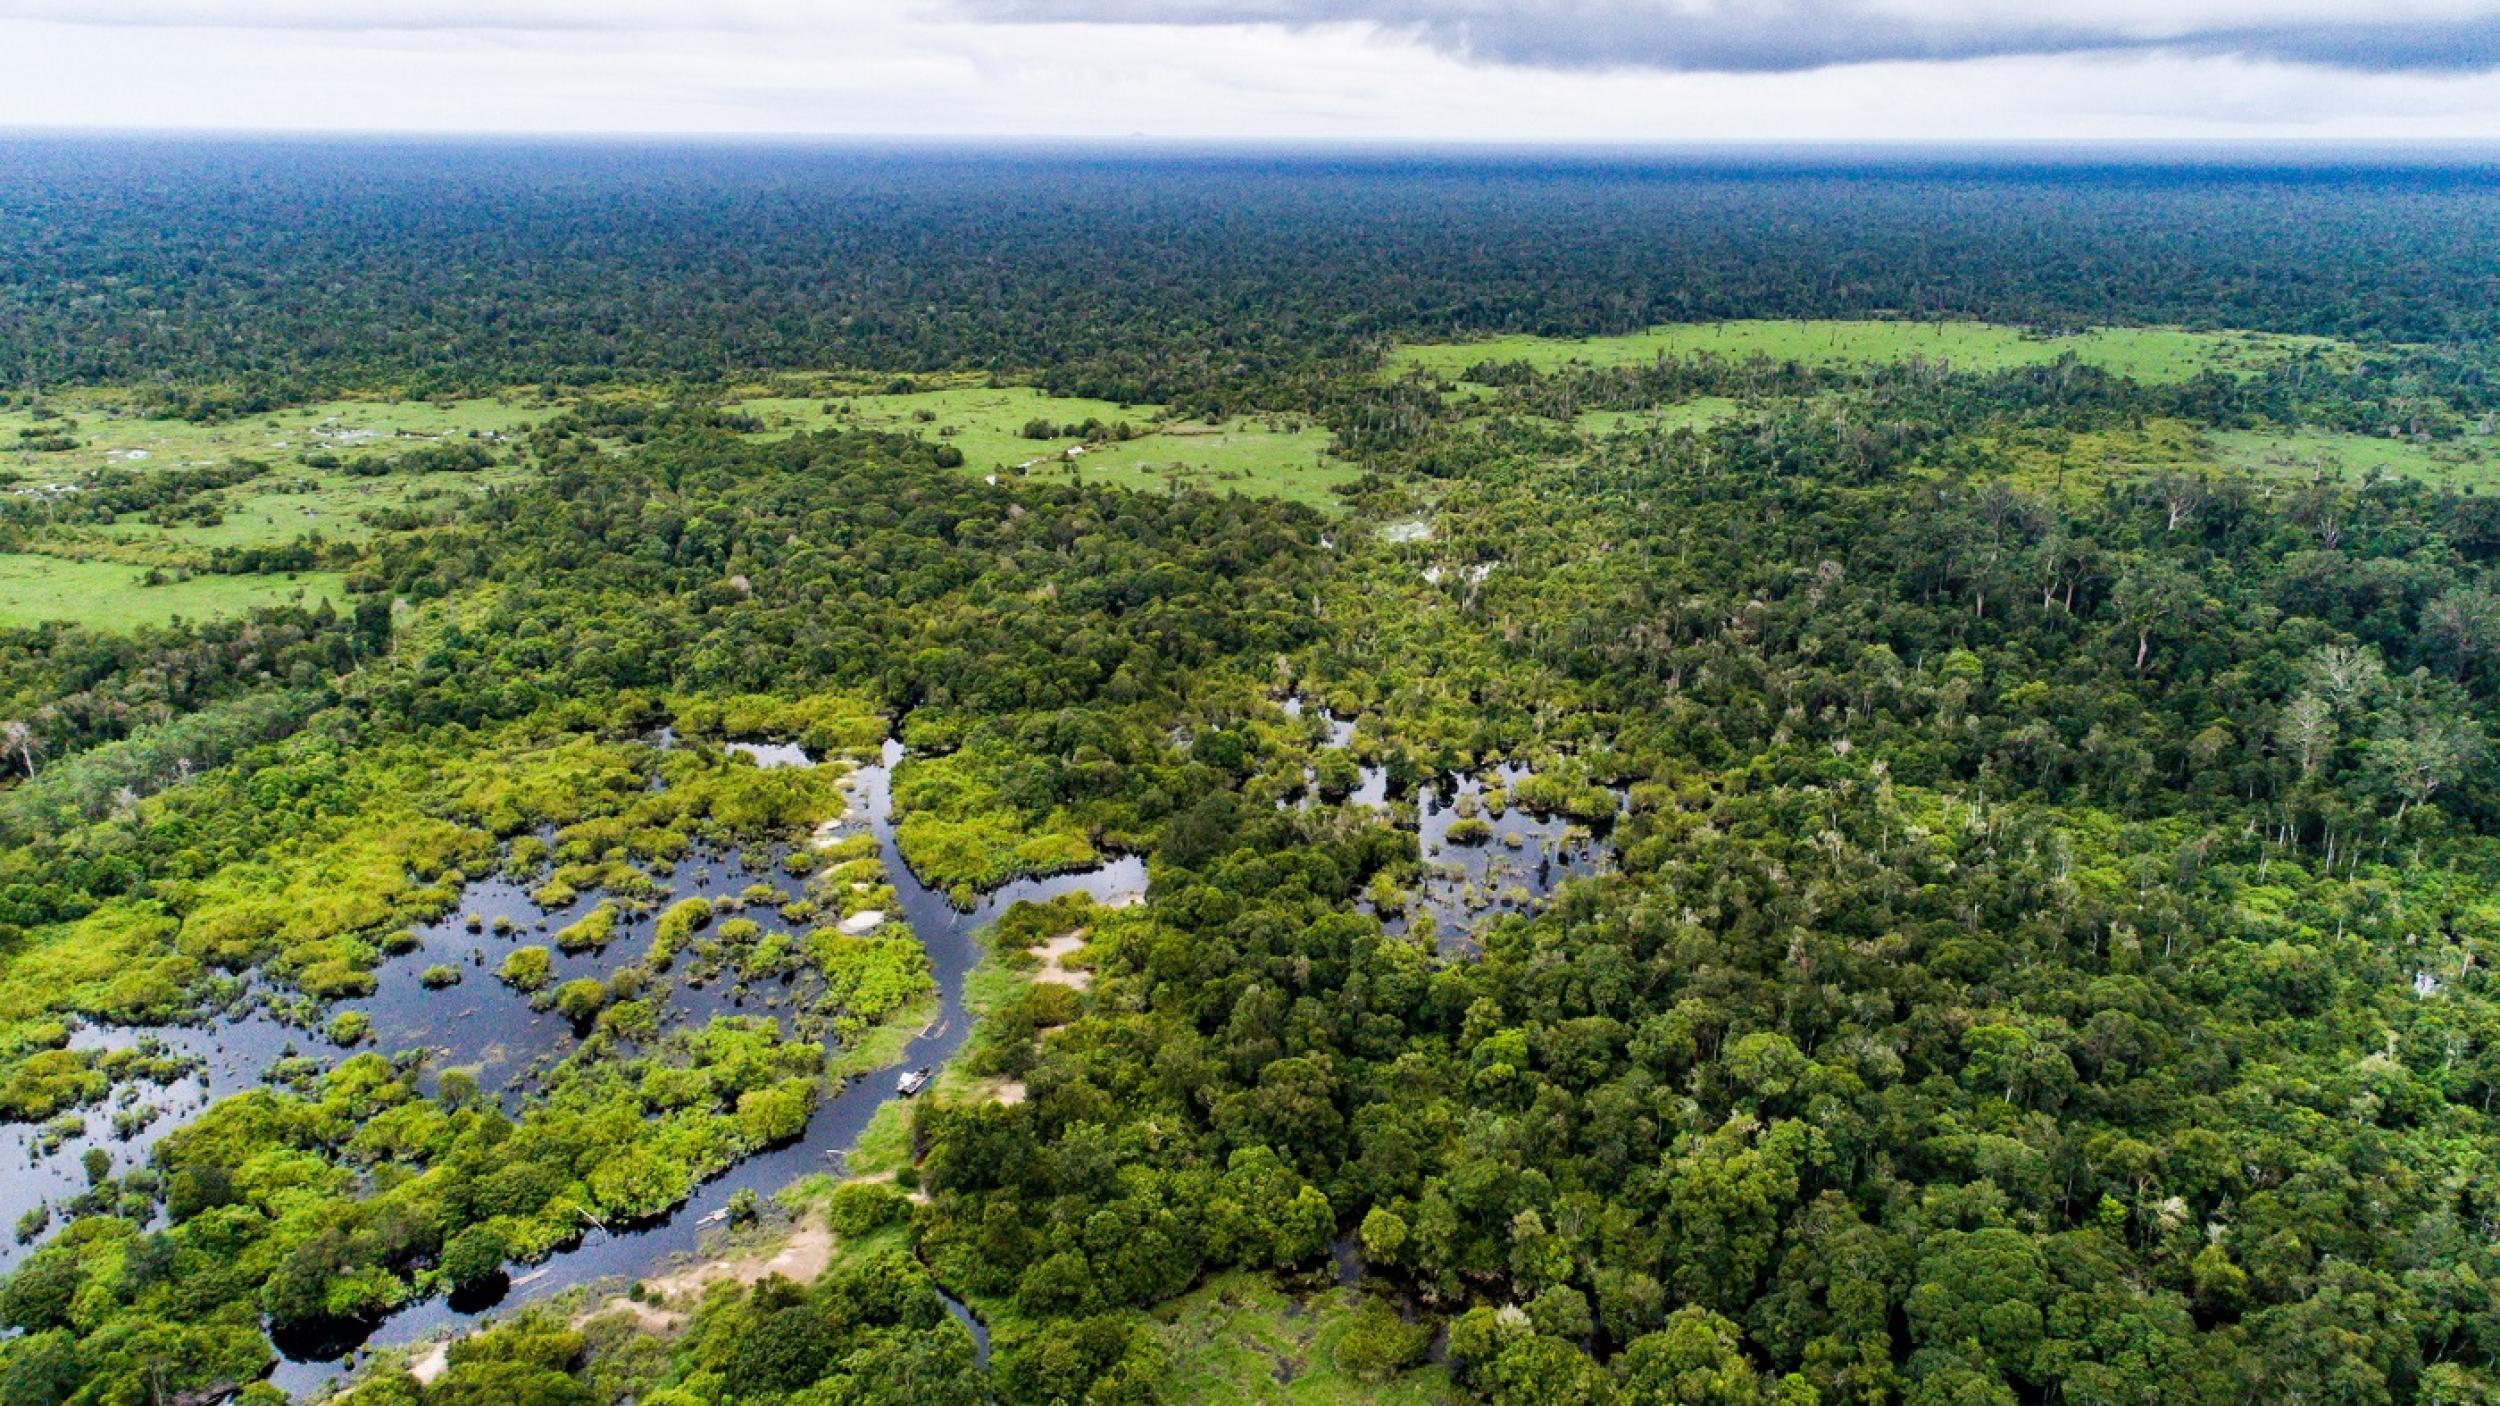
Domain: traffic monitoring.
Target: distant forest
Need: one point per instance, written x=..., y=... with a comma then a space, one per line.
x=248, y=273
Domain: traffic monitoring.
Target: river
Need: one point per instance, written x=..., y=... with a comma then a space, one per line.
x=480, y=1025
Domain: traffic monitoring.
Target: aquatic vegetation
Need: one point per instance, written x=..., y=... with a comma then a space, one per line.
x=526, y=969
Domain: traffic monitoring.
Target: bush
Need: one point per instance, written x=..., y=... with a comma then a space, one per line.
x=527, y=969
x=1378, y=1344
x=581, y=999
x=864, y=1207
x=474, y=1256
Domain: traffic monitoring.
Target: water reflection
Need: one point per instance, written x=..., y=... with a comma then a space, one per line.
x=634, y=1252
x=1505, y=862
x=1512, y=866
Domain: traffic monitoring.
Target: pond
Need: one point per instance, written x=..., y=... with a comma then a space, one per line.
x=1512, y=868
x=477, y=1024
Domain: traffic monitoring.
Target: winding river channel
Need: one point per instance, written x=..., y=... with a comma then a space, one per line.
x=948, y=935
x=480, y=1026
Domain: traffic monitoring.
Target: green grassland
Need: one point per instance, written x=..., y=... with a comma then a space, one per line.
x=985, y=422
x=113, y=595
x=1270, y=458
x=112, y=432
x=94, y=573
x=2308, y=453
x=2145, y=353
x=2084, y=462
x=1242, y=456
x=1239, y=1340
x=283, y=505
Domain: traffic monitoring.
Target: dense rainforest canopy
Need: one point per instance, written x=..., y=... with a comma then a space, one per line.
x=2049, y=844
x=244, y=271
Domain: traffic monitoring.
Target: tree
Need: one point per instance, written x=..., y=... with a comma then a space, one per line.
x=1984, y=1287
x=2420, y=749
x=2153, y=594
x=1694, y=1360
x=1384, y=1236
x=2306, y=733
x=1378, y=1343
x=474, y=1255
x=16, y=736
x=2464, y=624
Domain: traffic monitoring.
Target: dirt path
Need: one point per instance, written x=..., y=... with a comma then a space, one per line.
x=430, y=1364
x=799, y=1259
x=1054, y=954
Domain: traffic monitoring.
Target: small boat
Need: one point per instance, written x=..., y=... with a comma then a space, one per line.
x=913, y=1082
x=715, y=1217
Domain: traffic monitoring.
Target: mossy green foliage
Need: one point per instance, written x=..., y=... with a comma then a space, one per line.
x=957, y=824
x=526, y=969
x=869, y=1330
x=868, y=980
x=273, y=1214
x=677, y=926
x=46, y=1081
x=360, y=848
x=590, y=932
x=826, y=724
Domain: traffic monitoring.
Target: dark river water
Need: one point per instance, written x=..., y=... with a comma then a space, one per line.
x=480, y=1025
x=1467, y=885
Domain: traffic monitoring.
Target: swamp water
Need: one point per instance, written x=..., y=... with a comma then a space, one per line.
x=483, y=1026
x=1513, y=870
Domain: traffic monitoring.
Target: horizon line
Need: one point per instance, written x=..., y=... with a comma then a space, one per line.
x=2421, y=147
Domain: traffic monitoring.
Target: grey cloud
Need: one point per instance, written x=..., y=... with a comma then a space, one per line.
x=1792, y=35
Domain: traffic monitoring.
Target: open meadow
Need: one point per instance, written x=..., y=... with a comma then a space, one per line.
x=2145, y=353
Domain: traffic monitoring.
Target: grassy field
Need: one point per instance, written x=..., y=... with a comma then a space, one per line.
x=287, y=501
x=1239, y=456
x=2146, y=353
x=1239, y=1340
x=2305, y=454
x=283, y=505
x=110, y=596
x=1262, y=458
x=111, y=433
x=985, y=422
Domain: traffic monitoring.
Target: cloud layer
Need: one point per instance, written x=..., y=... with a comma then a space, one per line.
x=1780, y=36
x=1611, y=71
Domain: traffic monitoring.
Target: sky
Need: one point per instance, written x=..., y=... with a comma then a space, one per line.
x=1615, y=71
